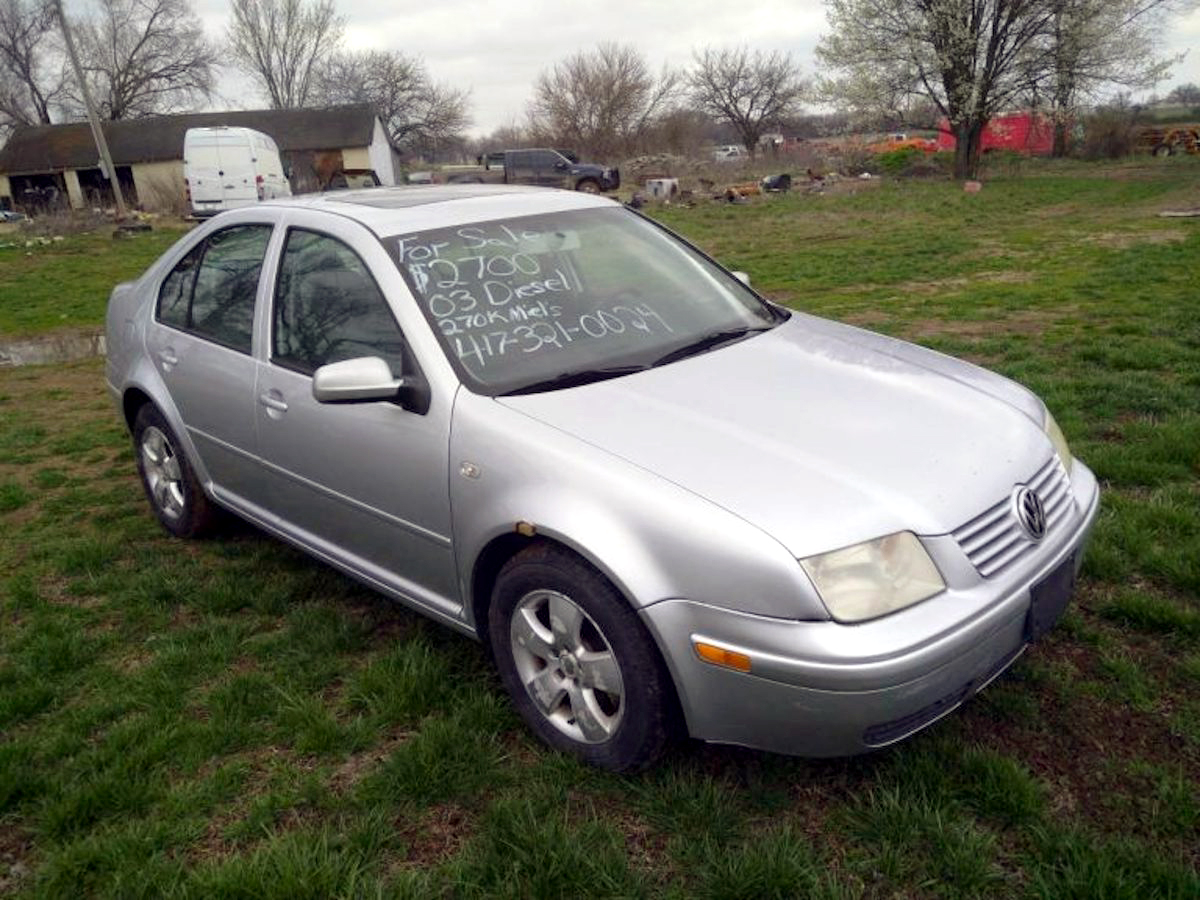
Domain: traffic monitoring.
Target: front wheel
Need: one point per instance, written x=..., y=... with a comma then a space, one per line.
x=582, y=671
x=588, y=186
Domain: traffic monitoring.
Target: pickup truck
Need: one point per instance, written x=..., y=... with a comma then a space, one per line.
x=540, y=166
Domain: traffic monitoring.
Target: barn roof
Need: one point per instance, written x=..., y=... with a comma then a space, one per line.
x=48, y=148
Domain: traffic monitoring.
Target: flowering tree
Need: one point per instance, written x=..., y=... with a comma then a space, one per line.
x=1093, y=45
x=971, y=58
x=974, y=58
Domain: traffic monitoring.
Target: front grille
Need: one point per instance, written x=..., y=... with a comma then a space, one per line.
x=994, y=540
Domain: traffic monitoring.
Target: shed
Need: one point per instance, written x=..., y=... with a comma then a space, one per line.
x=43, y=164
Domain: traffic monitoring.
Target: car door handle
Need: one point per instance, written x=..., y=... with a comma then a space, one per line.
x=168, y=357
x=272, y=402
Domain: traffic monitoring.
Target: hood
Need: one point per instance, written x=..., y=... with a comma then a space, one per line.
x=820, y=434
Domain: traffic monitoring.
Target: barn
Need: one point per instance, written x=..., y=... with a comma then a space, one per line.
x=49, y=165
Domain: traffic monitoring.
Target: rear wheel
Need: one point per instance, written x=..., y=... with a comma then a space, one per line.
x=171, y=485
x=1162, y=150
x=581, y=669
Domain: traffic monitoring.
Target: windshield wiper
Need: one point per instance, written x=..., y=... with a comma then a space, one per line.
x=574, y=378
x=710, y=341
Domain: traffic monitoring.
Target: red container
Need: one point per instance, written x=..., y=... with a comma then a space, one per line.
x=1025, y=132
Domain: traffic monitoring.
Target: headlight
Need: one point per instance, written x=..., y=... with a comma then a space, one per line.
x=1058, y=440
x=874, y=578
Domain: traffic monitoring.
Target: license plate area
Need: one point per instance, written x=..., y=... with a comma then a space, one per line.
x=1049, y=599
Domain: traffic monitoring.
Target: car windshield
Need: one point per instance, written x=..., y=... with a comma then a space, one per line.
x=555, y=300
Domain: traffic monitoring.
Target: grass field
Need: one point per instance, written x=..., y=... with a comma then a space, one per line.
x=229, y=718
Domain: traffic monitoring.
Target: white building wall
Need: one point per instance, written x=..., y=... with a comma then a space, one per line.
x=380, y=154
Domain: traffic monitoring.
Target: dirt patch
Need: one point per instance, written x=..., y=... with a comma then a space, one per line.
x=991, y=249
x=1028, y=322
x=1056, y=211
x=260, y=761
x=1124, y=240
x=436, y=837
x=867, y=319
x=939, y=285
x=15, y=851
x=350, y=772
x=935, y=286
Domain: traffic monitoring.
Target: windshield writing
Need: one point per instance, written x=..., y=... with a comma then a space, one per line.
x=518, y=301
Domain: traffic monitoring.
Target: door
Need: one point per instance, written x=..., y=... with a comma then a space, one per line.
x=363, y=483
x=238, y=187
x=200, y=340
x=202, y=164
x=518, y=167
x=551, y=169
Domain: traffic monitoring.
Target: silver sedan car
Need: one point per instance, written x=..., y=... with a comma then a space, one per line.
x=662, y=502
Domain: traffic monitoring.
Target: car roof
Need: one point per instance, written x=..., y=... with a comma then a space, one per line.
x=393, y=210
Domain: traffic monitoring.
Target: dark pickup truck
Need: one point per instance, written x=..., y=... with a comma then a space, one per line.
x=540, y=166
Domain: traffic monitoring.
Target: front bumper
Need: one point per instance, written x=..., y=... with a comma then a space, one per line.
x=828, y=689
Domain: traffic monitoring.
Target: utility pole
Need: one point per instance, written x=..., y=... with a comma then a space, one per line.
x=101, y=144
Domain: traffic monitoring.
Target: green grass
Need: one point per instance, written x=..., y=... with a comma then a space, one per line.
x=65, y=284
x=230, y=718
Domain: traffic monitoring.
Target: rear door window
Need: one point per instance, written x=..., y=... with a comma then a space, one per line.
x=226, y=284
x=175, y=295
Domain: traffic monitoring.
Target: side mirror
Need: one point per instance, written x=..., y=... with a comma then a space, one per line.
x=562, y=166
x=360, y=380
x=742, y=277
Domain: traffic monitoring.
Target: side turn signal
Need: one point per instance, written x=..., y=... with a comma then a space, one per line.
x=719, y=656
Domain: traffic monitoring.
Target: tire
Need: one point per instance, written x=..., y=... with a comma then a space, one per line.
x=581, y=669
x=589, y=186
x=170, y=484
x=1162, y=150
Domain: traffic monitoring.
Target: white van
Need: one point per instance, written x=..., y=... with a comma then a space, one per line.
x=226, y=167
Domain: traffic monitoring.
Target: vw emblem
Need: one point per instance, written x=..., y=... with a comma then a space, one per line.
x=1030, y=512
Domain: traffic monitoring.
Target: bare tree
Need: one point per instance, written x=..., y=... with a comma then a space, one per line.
x=971, y=58
x=1185, y=94
x=143, y=57
x=32, y=73
x=420, y=115
x=753, y=92
x=1094, y=45
x=281, y=44
x=502, y=138
x=601, y=101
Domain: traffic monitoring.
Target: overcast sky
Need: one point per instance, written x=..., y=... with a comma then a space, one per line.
x=496, y=49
